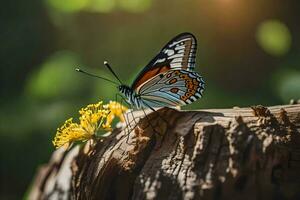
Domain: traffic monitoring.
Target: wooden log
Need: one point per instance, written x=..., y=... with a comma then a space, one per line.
x=239, y=153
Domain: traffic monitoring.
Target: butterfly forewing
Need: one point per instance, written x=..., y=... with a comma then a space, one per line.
x=172, y=88
x=179, y=53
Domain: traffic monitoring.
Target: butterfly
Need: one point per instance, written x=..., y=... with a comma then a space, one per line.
x=168, y=80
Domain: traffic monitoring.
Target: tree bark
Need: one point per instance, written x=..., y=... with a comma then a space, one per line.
x=239, y=153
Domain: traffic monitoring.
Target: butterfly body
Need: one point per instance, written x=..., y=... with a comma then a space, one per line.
x=169, y=79
x=131, y=97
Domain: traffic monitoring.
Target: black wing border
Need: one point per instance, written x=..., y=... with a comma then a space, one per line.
x=150, y=65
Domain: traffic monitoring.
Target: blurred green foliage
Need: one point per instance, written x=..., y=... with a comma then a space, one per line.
x=135, y=5
x=274, y=37
x=287, y=84
x=248, y=53
x=69, y=6
x=55, y=78
x=103, y=6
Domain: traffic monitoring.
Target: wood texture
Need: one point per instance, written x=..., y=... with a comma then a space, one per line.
x=239, y=153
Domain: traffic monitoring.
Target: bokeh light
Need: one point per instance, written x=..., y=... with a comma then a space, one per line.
x=103, y=6
x=68, y=5
x=287, y=82
x=274, y=37
x=56, y=77
x=135, y=5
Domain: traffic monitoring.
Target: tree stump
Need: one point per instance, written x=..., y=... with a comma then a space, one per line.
x=239, y=153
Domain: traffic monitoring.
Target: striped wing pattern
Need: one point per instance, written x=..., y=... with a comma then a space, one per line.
x=179, y=53
x=172, y=88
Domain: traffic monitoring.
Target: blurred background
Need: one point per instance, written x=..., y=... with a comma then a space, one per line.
x=248, y=53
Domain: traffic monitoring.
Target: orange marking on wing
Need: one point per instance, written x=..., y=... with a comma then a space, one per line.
x=189, y=81
x=184, y=76
x=191, y=91
x=188, y=95
x=195, y=81
x=150, y=74
x=174, y=90
x=190, y=86
x=176, y=73
x=173, y=80
x=183, y=98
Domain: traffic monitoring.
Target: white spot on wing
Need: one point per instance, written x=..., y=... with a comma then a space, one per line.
x=178, y=42
x=170, y=52
x=180, y=47
x=176, y=56
x=193, y=98
x=160, y=60
x=177, y=60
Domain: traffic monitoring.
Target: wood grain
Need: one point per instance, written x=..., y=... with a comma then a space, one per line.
x=238, y=153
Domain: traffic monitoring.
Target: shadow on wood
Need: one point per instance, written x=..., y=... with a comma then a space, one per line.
x=239, y=153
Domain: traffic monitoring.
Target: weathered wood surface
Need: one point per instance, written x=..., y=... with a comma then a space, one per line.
x=239, y=153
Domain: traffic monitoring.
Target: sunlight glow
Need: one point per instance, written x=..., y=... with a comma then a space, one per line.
x=288, y=84
x=103, y=6
x=68, y=5
x=274, y=37
x=135, y=5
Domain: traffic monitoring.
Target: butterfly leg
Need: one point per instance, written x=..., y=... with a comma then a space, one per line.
x=132, y=115
x=149, y=121
x=128, y=113
x=128, y=126
x=126, y=116
x=135, y=123
x=156, y=112
x=123, y=113
x=131, y=112
x=159, y=137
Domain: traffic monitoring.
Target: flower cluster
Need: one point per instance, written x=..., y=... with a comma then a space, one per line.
x=93, y=119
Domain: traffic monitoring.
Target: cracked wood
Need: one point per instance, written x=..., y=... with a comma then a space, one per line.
x=239, y=153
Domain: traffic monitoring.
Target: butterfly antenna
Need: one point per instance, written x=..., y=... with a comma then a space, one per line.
x=92, y=75
x=112, y=71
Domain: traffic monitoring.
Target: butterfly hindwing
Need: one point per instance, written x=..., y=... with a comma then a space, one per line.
x=172, y=88
x=179, y=53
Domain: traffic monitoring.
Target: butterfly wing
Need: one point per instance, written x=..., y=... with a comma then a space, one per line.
x=179, y=53
x=172, y=88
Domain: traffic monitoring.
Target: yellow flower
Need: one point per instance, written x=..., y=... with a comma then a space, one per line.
x=93, y=119
x=68, y=133
x=116, y=110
